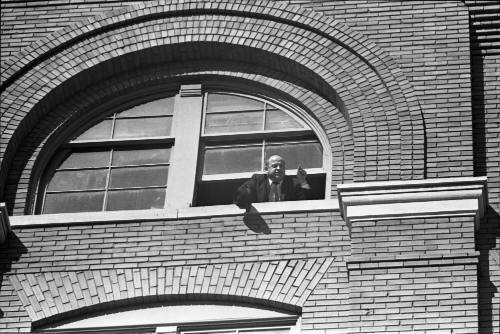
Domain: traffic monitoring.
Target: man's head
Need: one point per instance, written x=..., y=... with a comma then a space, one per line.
x=275, y=168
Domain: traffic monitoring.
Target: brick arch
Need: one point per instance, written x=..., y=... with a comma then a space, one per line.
x=368, y=87
x=84, y=108
x=51, y=296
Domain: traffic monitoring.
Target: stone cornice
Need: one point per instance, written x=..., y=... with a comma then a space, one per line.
x=4, y=223
x=408, y=199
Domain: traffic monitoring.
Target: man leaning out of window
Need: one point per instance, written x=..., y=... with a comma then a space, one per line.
x=272, y=186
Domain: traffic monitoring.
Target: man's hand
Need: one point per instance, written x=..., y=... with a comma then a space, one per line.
x=301, y=176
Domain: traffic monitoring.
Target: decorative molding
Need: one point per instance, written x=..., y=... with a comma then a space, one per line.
x=152, y=215
x=445, y=197
x=51, y=295
x=411, y=260
x=4, y=223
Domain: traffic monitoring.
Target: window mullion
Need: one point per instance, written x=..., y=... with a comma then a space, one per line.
x=113, y=126
x=108, y=177
x=186, y=127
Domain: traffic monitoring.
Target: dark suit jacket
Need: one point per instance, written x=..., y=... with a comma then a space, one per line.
x=256, y=190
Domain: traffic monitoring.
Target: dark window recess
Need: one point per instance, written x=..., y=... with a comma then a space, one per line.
x=221, y=192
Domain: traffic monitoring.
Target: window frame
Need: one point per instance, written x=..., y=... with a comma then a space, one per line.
x=200, y=96
x=310, y=128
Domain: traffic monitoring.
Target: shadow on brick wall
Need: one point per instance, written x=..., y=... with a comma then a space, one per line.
x=487, y=236
x=254, y=221
x=10, y=252
x=478, y=114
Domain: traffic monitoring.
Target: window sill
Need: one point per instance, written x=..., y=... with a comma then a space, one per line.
x=151, y=215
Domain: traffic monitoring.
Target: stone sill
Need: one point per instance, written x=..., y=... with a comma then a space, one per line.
x=412, y=260
x=157, y=214
x=446, y=197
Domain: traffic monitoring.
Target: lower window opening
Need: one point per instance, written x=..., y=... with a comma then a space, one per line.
x=221, y=192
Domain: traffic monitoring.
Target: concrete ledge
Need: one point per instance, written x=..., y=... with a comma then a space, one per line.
x=4, y=223
x=151, y=215
x=411, y=260
x=413, y=199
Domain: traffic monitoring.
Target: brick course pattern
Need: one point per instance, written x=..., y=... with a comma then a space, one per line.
x=429, y=40
x=84, y=107
x=415, y=299
x=358, y=78
x=52, y=295
x=413, y=275
x=485, y=62
x=393, y=238
x=301, y=243
x=403, y=90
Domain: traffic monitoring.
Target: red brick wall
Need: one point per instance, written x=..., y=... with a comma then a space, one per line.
x=485, y=63
x=361, y=83
x=293, y=252
x=413, y=275
x=417, y=297
x=425, y=46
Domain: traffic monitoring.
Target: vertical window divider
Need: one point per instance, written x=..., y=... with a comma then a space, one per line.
x=264, y=115
x=108, y=177
x=203, y=113
x=263, y=159
x=186, y=126
x=113, y=126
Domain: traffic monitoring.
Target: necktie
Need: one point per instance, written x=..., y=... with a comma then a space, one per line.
x=274, y=193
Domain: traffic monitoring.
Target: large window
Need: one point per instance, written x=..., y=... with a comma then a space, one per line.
x=178, y=150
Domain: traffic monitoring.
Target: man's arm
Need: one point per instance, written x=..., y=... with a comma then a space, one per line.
x=302, y=187
x=246, y=193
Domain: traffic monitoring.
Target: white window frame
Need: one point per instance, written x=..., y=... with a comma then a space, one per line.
x=188, y=123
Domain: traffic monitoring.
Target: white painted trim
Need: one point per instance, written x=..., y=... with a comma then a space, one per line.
x=412, y=183
x=186, y=127
x=190, y=90
x=409, y=199
x=428, y=208
x=247, y=175
x=153, y=215
x=4, y=223
x=166, y=329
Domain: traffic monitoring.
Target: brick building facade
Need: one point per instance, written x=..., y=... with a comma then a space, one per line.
x=404, y=97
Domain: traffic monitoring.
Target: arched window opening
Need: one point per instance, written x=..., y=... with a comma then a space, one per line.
x=120, y=163
x=186, y=319
x=240, y=132
x=187, y=149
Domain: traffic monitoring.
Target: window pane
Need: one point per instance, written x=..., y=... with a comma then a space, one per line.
x=73, y=202
x=155, y=108
x=78, y=180
x=139, y=176
x=101, y=130
x=86, y=159
x=227, y=102
x=232, y=160
x=234, y=122
x=141, y=157
x=277, y=120
x=308, y=155
x=136, y=199
x=142, y=127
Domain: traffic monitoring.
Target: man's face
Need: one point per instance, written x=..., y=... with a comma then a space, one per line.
x=275, y=168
